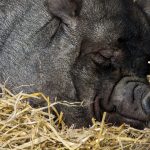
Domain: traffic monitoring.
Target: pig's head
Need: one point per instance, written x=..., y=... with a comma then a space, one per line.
x=106, y=62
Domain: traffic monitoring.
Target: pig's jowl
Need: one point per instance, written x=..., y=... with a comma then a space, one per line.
x=94, y=52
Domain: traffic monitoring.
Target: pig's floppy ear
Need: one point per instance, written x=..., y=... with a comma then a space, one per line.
x=64, y=9
x=145, y=5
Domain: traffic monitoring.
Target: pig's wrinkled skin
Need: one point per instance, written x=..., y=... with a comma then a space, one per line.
x=89, y=51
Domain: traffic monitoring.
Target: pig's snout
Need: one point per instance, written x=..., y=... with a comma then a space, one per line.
x=146, y=104
x=131, y=99
x=142, y=92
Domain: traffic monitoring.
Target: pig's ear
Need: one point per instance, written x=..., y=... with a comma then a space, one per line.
x=145, y=5
x=64, y=9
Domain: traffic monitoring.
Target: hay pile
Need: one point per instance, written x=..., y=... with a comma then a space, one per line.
x=23, y=128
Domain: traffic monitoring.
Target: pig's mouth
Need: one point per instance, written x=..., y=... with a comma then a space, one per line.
x=118, y=119
x=129, y=103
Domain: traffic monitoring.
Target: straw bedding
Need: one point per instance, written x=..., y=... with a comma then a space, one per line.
x=23, y=128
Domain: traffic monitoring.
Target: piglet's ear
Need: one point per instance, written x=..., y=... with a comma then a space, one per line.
x=64, y=9
x=145, y=5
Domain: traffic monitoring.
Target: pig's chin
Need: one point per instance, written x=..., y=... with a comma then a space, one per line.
x=118, y=119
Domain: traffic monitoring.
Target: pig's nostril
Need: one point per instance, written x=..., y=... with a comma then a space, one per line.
x=146, y=104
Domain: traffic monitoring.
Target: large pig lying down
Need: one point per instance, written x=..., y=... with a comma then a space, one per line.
x=89, y=51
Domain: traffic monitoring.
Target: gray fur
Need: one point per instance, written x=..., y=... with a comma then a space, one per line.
x=73, y=56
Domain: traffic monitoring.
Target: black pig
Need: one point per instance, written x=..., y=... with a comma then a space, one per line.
x=94, y=52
